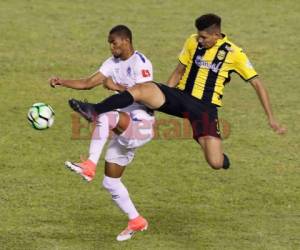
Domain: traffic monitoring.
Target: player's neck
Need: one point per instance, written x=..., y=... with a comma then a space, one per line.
x=127, y=54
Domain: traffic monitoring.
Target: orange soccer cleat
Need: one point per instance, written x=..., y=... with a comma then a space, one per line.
x=86, y=169
x=134, y=225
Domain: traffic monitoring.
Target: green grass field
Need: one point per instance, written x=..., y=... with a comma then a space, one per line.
x=254, y=205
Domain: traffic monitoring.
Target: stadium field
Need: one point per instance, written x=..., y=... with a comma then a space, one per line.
x=253, y=205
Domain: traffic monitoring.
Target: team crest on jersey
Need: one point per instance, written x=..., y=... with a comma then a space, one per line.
x=128, y=71
x=221, y=55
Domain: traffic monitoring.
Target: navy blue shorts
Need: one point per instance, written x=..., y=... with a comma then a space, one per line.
x=203, y=117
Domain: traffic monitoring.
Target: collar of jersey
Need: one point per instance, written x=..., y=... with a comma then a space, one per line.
x=221, y=41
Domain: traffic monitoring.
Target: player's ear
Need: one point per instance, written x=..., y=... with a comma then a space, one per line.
x=127, y=40
x=216, y=35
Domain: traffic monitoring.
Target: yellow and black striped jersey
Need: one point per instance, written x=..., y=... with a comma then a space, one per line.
x=207, y=70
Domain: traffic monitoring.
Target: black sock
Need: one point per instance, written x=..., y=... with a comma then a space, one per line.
x=226, y=162
x=116, y=101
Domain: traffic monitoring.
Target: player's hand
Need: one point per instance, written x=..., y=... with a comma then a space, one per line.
x=55, y=81
x=111, y=85
x=277, y=127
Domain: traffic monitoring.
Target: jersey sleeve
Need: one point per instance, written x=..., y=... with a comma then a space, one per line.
x=143, y=71
x=243, y=66
x=185, y=53
x=106, y=68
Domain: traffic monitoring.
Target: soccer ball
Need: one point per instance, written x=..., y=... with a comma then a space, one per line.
x=40, y=116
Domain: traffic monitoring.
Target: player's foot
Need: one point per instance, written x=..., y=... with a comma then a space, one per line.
x=135, y=225
x=86, y=169
x=84, y=108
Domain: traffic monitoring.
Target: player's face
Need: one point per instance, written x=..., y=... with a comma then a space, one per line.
x=117, y=45
x=207, y=39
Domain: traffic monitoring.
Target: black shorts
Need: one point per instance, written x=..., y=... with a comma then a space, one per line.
x=203, y=117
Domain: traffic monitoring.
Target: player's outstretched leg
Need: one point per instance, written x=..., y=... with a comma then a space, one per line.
x=104, y=122
x=89, y=111
x=87, y=169
x=148, y=94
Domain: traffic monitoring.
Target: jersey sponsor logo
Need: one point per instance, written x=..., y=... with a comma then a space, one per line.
x=204, y=64
x=145, y=73
x=198, y=60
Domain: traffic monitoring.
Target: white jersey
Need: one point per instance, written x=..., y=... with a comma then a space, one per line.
x=136, y=69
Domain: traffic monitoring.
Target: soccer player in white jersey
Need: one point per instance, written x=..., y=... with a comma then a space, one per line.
x=133, y=126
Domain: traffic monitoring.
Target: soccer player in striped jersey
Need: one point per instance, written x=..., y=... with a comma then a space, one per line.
x=195, y=88
x=133, y=125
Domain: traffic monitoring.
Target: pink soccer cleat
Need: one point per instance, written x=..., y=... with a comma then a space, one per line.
x=135, y=225
x=86, y=169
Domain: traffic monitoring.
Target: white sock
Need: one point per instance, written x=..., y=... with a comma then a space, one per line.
x=104, y=123
x=120, y=196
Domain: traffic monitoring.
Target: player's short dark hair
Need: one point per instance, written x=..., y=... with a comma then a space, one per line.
x=122, y=31
x=208, y=20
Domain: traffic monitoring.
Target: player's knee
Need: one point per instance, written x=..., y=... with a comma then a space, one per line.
x=218, y=163
x=215, y=164
x=111, y=118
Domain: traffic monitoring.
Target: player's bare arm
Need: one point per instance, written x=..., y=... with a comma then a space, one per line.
x=81, y=84
x=111, y=85
x=262, y=93
x=176, y=75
